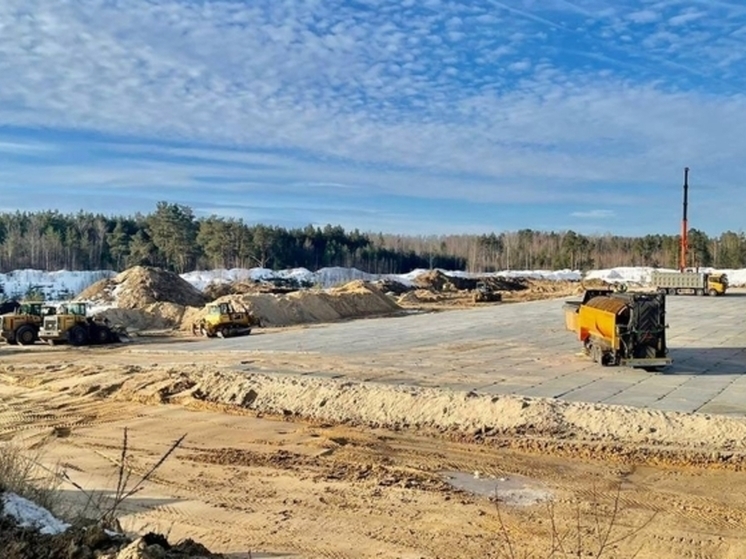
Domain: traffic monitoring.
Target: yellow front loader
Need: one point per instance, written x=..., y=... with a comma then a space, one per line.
x=21, y=326
x=71, y=324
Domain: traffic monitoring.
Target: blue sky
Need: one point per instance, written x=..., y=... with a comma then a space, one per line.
x=405, y=116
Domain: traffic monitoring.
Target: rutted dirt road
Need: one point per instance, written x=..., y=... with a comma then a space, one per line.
x=244, y=483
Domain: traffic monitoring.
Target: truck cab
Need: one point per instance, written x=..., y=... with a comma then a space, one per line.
x=717, y=284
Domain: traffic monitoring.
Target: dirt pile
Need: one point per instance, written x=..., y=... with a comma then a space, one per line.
x=141, y=286
x=93, y=542
x=158, y=316
x=353, y=300
x=619, y=430
x=144, y=298
x=392, y=286
x=217, y=290
x=437, y=281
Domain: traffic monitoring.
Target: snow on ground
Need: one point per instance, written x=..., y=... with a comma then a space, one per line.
x=634, y=275
x=30, y=515
x=325, y=277
x=64, y=284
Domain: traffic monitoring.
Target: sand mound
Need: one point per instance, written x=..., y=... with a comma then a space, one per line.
x=141, y=286
x=158, y=316
x=222, y=289
x=144, y=298
x=618, y=429
x=352, y=300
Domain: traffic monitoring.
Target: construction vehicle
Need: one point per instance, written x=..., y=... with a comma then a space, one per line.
x=616, y=328
x=485, y=294
x=21, y=324
x=223, y=321
x=70, y=323
x=696, y=283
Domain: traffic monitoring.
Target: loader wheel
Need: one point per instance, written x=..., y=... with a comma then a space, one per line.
x=102, y=336
x=26, y=335
x=77, y=336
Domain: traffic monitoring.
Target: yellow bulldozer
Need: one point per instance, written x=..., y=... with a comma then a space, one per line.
x=70, y=323
x=20, y=322
x=222, y=320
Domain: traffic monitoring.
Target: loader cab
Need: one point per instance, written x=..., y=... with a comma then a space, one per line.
x=30, y=308
x=75, y=309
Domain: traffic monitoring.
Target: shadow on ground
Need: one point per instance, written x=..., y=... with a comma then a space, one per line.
x=708, y=360
x=92, y=503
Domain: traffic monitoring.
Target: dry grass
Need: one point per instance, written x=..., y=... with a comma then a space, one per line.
x=21, y=473
x=597, y=533
x=24, y=474
x=104, y=508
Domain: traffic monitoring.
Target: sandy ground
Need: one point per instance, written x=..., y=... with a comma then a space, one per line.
x=274, y=483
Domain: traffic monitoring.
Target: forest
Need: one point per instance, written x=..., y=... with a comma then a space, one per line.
x=173, y=237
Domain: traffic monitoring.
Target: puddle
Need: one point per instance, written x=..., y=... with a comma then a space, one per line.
x=511, y=489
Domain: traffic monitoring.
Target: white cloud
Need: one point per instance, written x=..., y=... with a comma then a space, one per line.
x=644, y=16
x=396, y=99
x=594, y=214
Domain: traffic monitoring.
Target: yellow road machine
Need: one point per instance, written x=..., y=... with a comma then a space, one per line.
x=617, y=328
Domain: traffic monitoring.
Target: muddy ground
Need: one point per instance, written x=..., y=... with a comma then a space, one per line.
x=246, y=480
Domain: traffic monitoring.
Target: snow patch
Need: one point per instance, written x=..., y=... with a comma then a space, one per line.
x=59, y=285
x=30, y=515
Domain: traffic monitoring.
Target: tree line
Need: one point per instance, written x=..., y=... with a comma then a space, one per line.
x=173, y=237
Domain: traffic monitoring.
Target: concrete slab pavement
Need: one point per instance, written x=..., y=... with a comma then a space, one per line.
x=523, y=348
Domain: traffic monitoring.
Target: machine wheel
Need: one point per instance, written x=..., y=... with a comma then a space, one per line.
x=712, y=293
x=101, y=335
x=77, y=336
x=26, y=335
x=700, y=292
